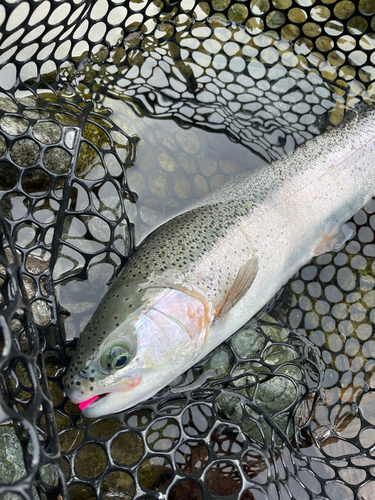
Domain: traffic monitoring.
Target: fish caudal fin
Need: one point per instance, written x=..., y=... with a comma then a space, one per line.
x=241, y=285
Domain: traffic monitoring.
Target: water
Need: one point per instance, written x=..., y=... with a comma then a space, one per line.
x=211, y=91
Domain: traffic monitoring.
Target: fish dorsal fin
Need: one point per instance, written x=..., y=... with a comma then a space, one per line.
x=241, y=285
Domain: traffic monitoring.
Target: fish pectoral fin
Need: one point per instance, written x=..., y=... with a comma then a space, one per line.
x=335, y=240
x=240, y=286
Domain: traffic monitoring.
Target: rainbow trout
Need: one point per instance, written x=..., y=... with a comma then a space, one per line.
x=202, y=275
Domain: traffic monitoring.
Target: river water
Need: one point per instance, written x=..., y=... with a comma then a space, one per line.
x=205, y=91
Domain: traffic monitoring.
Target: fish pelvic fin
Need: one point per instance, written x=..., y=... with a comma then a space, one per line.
x=243, y=281
x=335, y=240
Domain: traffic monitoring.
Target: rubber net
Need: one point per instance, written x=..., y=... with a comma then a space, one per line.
x=285, y=408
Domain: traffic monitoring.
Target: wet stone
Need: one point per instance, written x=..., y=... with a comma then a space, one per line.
x=8, y=176
x=90, y=461
x=279, y=354
x=25, y=153
x=66, y=119
x=16, y=325
x=117, y=486
x=62, y=422
x=103, y=429
x=71, y=409
x=7, y=104
x=56, y=393
x=81, y=492
x=274, y=331
x=22, y=374
x=13, y=466
x=127, y=448
x=182, y=185
x=36, y=182
x=41, y=312
x=276, y=394
x=47, y=132
x=14, y=125
x=248, y=342
x=219, y=361
x=200, y=186
x=122, y=238
x=3, y=145
x=188, y=141
x=149, y=216
x=230, y=407
x=48, y=474
x=35, y=114
x=57, y=160
x=155, y=473
x=99, y=229
x=187, y=163
x=159, y=183
x=30, y=286
x=106, y=196
x=166, y=160
x=207, y=163
x=81, y=231
x=71, y=438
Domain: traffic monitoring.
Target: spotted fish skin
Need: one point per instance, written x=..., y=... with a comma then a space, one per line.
x=200, y=276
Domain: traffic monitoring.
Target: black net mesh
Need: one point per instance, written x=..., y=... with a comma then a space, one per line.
x=26, y=400
x=285, y=408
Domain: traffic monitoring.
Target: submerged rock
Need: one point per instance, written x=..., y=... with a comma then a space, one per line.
x=13, y=466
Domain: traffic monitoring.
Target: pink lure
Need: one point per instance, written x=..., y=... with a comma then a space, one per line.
x=83, y=405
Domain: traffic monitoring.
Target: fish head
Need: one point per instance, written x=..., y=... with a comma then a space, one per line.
x=134, y=345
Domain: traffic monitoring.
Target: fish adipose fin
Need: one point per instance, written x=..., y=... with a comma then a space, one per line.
x=241, y=285
x=335, y=240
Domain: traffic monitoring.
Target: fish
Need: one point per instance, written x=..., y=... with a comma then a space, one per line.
x=200, y=276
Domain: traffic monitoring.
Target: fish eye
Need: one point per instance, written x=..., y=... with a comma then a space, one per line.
x=115, y=357
x=120, y=361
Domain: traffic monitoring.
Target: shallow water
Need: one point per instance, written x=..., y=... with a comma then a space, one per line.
x=211, y=91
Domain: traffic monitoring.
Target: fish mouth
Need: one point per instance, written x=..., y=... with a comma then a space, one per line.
x=91, y=402
x=104, y=404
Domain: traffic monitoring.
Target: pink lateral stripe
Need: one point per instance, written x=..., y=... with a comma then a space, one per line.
x=83, y=405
